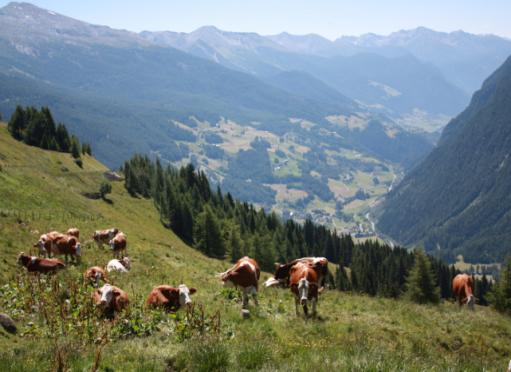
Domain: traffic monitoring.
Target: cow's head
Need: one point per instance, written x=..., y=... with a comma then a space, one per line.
x=303, y=291
x=107, y=295
x=126, y=262
x=184, y=295
x=22, y=258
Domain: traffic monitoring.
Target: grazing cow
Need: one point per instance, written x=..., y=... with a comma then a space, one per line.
x=123, y=265
x=463, y=289
x=73, y=231
x=282, y=271
x=245, y=274
x=94, y=274
x=110, y=299
x=303, y=279
x=45, y=243
x=104, y=236
x=118, y=244
x=67, y=245
x=40, y=265
x=170, y=298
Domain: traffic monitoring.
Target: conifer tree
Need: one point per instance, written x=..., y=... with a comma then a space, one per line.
x=75, y=147
x=208, y=235
x=18, y=123
x=420, y=283
x=501, y=292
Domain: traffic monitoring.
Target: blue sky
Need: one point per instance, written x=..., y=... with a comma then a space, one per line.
x=330, y=18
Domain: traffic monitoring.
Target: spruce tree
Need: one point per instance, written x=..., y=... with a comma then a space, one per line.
x=17, y=123
x=75, y=147
x=208, y=235
x=62, y=138
x=420, y=284
x=501, y=292
x=342, y=282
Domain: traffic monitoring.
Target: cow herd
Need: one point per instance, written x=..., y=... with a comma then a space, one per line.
x=304, y=276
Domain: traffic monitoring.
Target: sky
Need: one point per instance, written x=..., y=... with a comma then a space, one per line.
x=330, y=18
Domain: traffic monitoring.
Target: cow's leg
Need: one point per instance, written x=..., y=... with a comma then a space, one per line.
x=297, y=306
x=305, y=310
x=314, y=307
x=253, y=291
x=245, y=298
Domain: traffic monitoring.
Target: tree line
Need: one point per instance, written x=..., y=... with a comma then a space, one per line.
x=223, y=227
x=37, y=128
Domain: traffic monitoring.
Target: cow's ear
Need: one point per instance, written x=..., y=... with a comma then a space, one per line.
x=192, y=291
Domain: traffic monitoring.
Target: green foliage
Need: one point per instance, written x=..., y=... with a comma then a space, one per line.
x=205, y=356
x=420, y=284
x=208, y=235
x=37, y=128
x=105, y=188
x=501, y=291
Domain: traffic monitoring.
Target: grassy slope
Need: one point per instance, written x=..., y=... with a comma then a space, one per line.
x=355, y=332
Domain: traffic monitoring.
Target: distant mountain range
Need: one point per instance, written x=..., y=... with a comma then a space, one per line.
x=457, y=201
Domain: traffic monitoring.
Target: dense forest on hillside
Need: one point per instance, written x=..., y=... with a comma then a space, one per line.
x=457, y=200
x=223, y=227
x=37, y=128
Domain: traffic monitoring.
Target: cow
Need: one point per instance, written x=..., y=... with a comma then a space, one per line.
x=40, y=265
x=45, y=243
x=463, y=289
x=94, y=274
x=73, y=231
x=170, y=298
x=67, y=245
x=104, y=236
x=282, y=271
x=118, y=244
x=245, y=274
x=123, y=265
x=110, y=300
x=303, y=279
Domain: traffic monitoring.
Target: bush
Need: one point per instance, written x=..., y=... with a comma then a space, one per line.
x=105, y=188
x=79, y=162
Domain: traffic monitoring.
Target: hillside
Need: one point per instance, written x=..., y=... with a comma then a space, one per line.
x=457, y=200
x=41, y=190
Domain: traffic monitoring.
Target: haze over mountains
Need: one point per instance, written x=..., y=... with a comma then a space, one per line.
x=295, y=123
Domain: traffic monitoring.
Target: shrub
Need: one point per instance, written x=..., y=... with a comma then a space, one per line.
x=253, y=356
x=105, y=188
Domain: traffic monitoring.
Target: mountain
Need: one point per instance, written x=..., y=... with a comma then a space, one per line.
x=464, y=59
x=397, y=83
x=311, y=144
x=457, y=200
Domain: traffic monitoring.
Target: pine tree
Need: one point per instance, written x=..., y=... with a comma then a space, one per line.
x=501, y=292
x=62, y=138
x=75, y=147
x=235, y=244
x=208, y=235
x=420, y=283
x=18, y=123
x=342, y=282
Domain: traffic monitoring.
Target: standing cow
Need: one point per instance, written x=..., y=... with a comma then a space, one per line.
x=463, y=289
x=303, y=280
x=46, y=241
x=245, y=274
x=282, y=271
x=67, y=245
x=170, y=298
x=110, y=300
x=104, y=236
x=40, y=265
x=118, y=244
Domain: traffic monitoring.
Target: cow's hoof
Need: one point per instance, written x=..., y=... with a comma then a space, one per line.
x=245, y=313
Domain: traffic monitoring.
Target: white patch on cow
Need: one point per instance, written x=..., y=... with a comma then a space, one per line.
x=78, y=249
x=471, y=302
x=509, y=367
x=116, y=265
x=33, y=259
x=184, y=295
x=303, y=290
x=107, y=294
x=271, y=282
x=316, y=260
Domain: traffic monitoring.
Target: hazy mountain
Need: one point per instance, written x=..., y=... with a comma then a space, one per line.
x=457, y=200
x=465, y=59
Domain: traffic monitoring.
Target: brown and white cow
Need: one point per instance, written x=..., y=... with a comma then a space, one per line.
x=40, y=265
x=73, y=231
x=45, y=243
x=94, y=274
x=110, y=300
x=282, y=271
x=67, y=245
x=245, y=274
x=170, y=298
x=463, y=290
x=118, y=244
x=104, y=236
x=123, y=265
x=303, y=279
